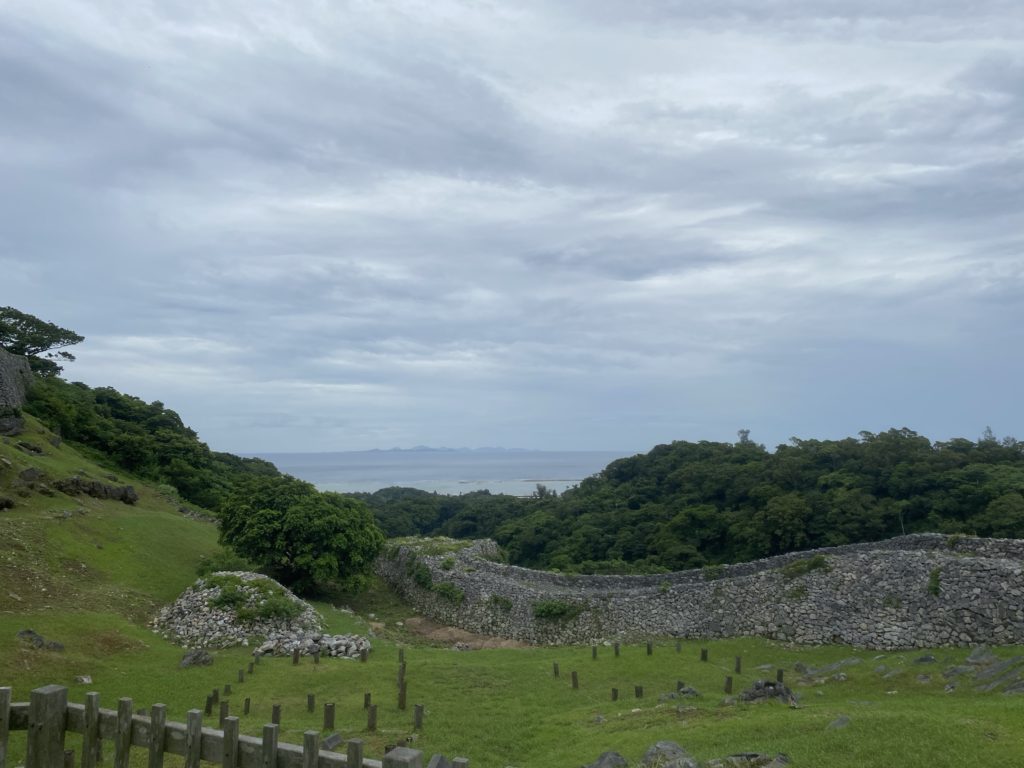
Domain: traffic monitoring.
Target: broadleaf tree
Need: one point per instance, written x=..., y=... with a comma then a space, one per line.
x=41, y=342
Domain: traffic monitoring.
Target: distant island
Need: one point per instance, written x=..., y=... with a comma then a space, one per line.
x=429, y=449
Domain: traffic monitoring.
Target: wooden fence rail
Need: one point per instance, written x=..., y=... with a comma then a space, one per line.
x=48, y=716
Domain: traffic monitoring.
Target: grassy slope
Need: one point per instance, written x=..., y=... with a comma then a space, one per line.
x=498, y=707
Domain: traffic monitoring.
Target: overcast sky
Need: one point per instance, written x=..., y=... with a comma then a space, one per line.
x=326, y=225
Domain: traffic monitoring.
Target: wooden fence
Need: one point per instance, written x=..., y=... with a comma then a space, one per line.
x=48, y=716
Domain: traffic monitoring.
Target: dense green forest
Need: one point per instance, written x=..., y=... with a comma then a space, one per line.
x=686, y=504
x=144, y=438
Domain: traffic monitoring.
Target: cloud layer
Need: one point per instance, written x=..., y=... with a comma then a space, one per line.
x=328, y=226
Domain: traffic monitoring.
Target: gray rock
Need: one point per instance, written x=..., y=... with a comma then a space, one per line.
x=982, y=655
x=36, y=640
x=926, y=659
x=609, y=760
x=749, y=760
x=197, y=657
x=668, y=754
x=83, y=680
x=840, y=722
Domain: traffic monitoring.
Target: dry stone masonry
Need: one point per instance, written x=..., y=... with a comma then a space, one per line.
x=196, y=621
x=922, y=590
x=15, y=377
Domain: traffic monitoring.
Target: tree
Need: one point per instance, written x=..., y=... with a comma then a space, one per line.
x=27, y=335
x=301, y=536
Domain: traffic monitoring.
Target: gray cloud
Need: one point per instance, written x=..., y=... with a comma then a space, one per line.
x=331, y=226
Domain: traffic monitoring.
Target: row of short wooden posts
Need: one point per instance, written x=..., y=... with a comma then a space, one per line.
x=213, y=699
x=639, y=689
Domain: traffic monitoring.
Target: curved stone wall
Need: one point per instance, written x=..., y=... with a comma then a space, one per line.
x=922, y=590
x=15, y=377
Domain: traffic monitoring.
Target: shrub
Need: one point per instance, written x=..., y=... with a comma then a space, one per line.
x=934, y=582
x=664, y=587
x=556, y=610
x=713, y=572
x=953, y=540
x=500, y=601
x=419, y=573
x=225, y=560
x=799, y=592
x=448, y=563
x=448, y=590
x=803, y=567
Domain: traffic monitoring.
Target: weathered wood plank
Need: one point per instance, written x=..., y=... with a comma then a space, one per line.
x=157, y=734
x=48, y=715
x=5, y=723
x=229, y=748
x=90, y=715
x=193, y=739
x=123, y=737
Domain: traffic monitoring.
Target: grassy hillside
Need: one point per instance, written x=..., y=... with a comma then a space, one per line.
x=92, y=578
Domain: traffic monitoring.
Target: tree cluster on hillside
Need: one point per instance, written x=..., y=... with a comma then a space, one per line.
x=687, y=505
x=41, y=342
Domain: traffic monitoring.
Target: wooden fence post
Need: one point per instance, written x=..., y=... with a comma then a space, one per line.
x=371, y=718
x=554, y=668
x=241, y=675
x=295, y=656
x=268, y=753
x=679, y=646
x=193, y=738
x=401, y=655
x=728, y=684
x=91, y=732
x=5, y=723
x=227, y=689
x=650, y=648
x=216, y=695
x=638, y=691
x=69, y=758
x=229, y=757
x=739, y=665
x=47, y=719
x=224, y=712
x=310, y=749
x=615, y=694
x=779, y=674
x=367, y=700
x=157, y=731
x=252, y=666
x=246, y=705
x=364, y=655
x=417, y=717
x=593, y=652
x=575, y=680
x=460, y=762
x=310, y=702
x=275, y=714
x=616, y=646
x=329, y=717
x=316, y=657
x=703, y=654
x=355, y=753
x=123, y=736
x=208, y=707
x=401, y=696
x=403, y=757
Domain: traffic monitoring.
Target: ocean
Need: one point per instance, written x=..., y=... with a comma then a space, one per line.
x=516, y=473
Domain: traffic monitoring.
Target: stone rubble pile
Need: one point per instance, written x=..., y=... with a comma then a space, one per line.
x=668, y=754
x=283, y=644
x=194, y=623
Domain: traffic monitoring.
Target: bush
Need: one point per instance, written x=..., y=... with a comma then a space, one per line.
x=419, y=573
x=448, y=563
x=713, y=572
x=449, y=591
x=501, y=602
x=803, y=567
x=934, y=582
x=556, y=610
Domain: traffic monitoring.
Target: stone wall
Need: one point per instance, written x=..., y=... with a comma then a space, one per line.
x=15, y=377
x=923, y=590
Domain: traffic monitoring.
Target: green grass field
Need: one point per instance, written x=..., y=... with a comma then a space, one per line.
x=92, y=581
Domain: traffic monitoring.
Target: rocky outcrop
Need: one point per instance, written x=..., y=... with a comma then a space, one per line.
x=15, y=379
x=923, y=590
x=76, y=485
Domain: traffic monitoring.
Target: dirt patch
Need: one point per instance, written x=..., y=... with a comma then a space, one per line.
x=442, y=635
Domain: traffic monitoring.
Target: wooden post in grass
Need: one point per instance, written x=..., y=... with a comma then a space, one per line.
x=275, y=714
x=223, y=713
x=679, y=646
x=417, y=717
x=47, y=718
x=252, y=666
x=401, y=674
x=739, y=665
x=227, y=689
x=355, y=753
x=246, y=705
x=310, y=749
x=616, y=646
x=401, y=696
x=310, y=702
x=638, y=691
x=329, y=716
x=241, y=675
x=371, y=718
x=650, y=648
x=779, y=674
x=703, y=654
x=593, y=652
x=401, y=655
x=157, y=732
x=367, y=700
x=268, y=754
x=364, y=655
x=90, y=732
x=615, y=694
x=257, y=659
x=316, y=657
x=123, y=734
x=216, y=695
x=295, y=657
x=460, y=762
x=229, y=754
x=193, y=738
x=554, y=668
x=575, y=680
x=208, y=709
x=728, y=684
